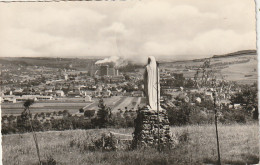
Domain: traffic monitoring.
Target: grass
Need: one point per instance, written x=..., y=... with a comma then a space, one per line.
x=17, y=108
x=238, y=145
x=114, y=102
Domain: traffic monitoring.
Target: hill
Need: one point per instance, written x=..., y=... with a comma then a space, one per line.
x=238, y=53
x=67, y=63
x=239, y=66
x=196, y=145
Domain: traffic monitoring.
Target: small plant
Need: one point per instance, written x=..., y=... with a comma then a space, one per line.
x=106, y=143
x=184, y=137
x=81, y=144
x=50, y=161
x=81, y=110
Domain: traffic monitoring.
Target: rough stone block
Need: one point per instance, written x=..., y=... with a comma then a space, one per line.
x=146, y=128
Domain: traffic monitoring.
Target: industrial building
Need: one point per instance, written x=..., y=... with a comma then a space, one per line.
x=105, y=70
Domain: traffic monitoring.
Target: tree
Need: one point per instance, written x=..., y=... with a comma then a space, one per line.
x=23, y=121
x=179, y=116
x=81, y=110
x=103, y=115
x=127, y=77
x=26, y=114
x=89, y=113
x=248, y=98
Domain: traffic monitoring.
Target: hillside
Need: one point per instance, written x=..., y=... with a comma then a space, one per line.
x=239, y=66
x=68, y=63
x=238, y=53
x=238, y=145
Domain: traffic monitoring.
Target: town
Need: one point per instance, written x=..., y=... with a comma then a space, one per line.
x=75, y=90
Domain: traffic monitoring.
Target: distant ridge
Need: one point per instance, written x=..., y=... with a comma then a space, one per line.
x=238, y=53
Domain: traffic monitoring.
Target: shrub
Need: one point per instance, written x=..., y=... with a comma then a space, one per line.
x=106, y=143
x=81, y=110
x=103, y=115
x=184, y=137
x=232, y=116
x=50, y=161
x=179, y=116
x=89, y=113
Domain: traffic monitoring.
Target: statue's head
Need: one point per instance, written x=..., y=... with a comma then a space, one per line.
x=151, y=59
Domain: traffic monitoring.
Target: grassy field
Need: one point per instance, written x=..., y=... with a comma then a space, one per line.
x=17, y=108
x=115, y=102
x=239, y=144
x=118, y=102
x=242, y=73
x=238, y=72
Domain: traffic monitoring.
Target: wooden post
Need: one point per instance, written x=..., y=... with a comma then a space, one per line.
x=216, y=125
x=35, y=138
x=158, y=101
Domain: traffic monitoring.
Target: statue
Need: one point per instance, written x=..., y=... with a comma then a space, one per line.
x=151, y=77
x=151, y=130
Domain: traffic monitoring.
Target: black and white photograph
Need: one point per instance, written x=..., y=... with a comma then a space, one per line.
x=130, y=82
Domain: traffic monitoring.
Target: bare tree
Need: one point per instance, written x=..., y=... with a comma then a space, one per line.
x=28, y=115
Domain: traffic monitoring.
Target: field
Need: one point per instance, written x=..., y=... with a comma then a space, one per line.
x=242, y=69
x=17, y=108
x=239, y=72
x=118, y=102
x=115, y=102
x=239, y=144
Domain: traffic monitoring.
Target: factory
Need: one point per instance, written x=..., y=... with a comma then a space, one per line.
x=106, y=70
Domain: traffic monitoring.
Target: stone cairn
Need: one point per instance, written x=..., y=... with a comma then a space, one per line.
x=146, y=129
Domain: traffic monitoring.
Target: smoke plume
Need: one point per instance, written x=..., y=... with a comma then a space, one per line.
x=114, y=60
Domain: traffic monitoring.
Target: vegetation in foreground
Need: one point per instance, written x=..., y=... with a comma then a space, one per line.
x=195, y=145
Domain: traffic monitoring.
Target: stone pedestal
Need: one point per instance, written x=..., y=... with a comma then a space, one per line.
x=147, y=126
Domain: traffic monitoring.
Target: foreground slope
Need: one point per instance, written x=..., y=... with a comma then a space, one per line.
x=238, y=145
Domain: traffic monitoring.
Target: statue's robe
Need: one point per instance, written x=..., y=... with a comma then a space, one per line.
x=150, y=84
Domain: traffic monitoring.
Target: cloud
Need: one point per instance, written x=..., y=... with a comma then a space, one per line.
x=115, y=28
x=179, y=28
x=203, y=45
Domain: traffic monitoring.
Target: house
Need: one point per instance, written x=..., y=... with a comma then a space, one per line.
x=235, y=106
x=88, y=98
x=116, y=93
x=44, y=98
x=106, y=93
x=168, y=90
x=73, y=93
x=26, y=97
x=18, y=92
x=198, y=100
x=137, y=94
x=59, y=93
x=9, y=99
x=208, y=95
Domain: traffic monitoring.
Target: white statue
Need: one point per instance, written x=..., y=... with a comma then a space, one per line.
x=151, y=77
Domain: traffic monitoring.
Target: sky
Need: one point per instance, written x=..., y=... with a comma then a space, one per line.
x=179, y=29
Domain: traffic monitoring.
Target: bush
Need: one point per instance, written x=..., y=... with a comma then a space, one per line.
x=50, y=161
x=179, y=116
x=232, y=116
x=89, y=113
x=106, y=143
x=81, y=110
x=103, y=115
